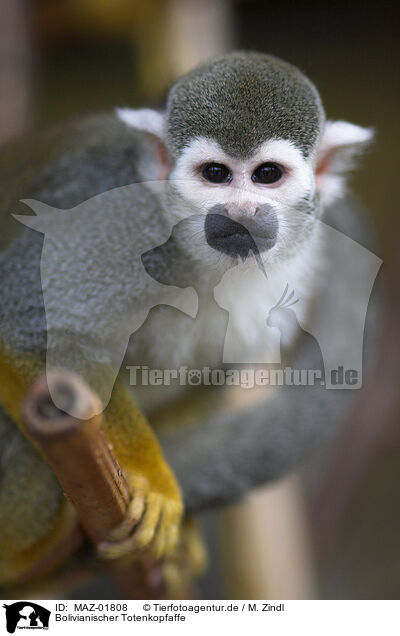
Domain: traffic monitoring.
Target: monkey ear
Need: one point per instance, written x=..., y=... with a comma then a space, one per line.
x=146, y=119
x=151, y=122
x=340, y=145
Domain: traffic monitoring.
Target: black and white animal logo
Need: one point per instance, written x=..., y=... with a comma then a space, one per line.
x=26, y=615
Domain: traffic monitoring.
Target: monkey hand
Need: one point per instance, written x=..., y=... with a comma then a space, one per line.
x=151, y=526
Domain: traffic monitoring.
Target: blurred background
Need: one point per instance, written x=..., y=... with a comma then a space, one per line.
x=332, y=530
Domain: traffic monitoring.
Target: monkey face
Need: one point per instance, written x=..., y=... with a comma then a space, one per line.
x=263, y=204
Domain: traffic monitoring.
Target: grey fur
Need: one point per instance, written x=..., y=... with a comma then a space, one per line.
x=86, y=158
x=257, y=95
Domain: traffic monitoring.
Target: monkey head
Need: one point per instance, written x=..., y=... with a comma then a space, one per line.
x=244, y=141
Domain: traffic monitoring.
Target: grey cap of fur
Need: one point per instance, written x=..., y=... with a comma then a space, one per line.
x=243, y=99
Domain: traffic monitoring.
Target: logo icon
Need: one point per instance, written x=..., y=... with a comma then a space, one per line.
x=254, y=311
x=26, y=615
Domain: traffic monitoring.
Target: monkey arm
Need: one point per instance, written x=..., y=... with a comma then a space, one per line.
x=222, y=458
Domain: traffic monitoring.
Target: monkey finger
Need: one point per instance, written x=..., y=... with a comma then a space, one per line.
x=133, y=515
x=159, y=542
x=141, y=536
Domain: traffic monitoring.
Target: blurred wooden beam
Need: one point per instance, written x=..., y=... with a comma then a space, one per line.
x=266, y=545
x=15, y=69
x=196, y=31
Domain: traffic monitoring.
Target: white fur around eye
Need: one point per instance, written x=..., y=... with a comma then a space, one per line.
x=299, y=173
x=200, y=151
x=298, y=181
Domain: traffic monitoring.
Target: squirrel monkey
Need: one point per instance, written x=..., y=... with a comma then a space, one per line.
x=243, y=141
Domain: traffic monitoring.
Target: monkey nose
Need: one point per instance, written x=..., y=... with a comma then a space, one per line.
x=244, y=234
x=228, y=237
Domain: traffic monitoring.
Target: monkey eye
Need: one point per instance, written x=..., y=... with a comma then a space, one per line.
x=216, y=173
x=267, y=173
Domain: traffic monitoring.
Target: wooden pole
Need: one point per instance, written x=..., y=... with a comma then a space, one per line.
x=77, y=450
x=74, y=445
